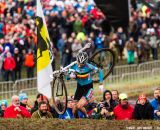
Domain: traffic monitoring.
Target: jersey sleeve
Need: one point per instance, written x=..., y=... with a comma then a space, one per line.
x=92, y=67
x=67, y=76
x=94, y=70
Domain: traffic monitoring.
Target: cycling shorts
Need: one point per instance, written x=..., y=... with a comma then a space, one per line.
x=85, y=91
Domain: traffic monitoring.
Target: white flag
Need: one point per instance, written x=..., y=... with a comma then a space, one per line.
x=44, y=68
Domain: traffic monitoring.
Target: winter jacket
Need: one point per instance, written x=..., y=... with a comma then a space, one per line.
x=38, y=115
x=9, y=63
x=123, y=114
x=153, y=41
x=19, y=61
x=143, y=111
x=29, y=60
x=109, y=106
x=69, y=115
x=11, y=113
x=156, y=107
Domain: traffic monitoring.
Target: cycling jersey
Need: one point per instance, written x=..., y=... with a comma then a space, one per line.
x=84, y=74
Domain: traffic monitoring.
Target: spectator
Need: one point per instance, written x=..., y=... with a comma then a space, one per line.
x=156, y=103
x=24, y=101
x=130, y=45
x=121, y=41
x=153, y=42
x=99, y=42
x=114, y=45
x=68, y=113
x=39, y=98
x=143, y=109
x=19, y=61
x=3, y=107
x=115, y=96
x=29, y=63
x=54, y=51
x=81, y=37
x=77, y=26
x=2, y=54
x=9, y=66
x=50, y=108
x=145, y=34
x=60, y=46
x=42, y=112
x=76, y=46
x=141, y=50
x=15, y=110
x=67, y=52
x=105, y=108
x=91, y=106
x=123, y=111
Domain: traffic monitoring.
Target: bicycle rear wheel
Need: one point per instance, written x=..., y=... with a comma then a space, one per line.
x=59, y=93
x=104, y=59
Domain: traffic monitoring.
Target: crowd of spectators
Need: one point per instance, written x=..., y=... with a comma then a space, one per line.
x=17, y=38
x=71, y=24
x=113, y=106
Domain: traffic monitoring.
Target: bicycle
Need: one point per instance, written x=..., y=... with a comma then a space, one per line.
x=104, y=59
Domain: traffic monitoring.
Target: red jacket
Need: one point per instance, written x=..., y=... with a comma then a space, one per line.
x=9, y=63
x=123, y=114
x=10, y=113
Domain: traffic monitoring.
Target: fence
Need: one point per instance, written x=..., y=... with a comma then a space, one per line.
x=120, y=74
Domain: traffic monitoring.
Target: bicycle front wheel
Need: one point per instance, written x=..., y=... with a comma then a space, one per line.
x=59, y=93
x=104, y=59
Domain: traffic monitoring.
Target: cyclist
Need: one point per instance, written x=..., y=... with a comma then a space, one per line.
x=83, y=74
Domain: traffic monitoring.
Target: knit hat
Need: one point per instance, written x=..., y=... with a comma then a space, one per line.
x=123, y=96
x=4, y=102
x=23, y=96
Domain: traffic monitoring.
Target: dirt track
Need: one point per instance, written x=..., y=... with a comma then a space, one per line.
x=78, y=124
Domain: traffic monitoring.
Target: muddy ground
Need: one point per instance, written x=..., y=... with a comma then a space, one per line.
x=79, y=124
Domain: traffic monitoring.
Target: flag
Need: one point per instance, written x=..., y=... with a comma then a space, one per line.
x=44, y=55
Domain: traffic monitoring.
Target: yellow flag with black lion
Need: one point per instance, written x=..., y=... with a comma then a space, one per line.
x=44, y=54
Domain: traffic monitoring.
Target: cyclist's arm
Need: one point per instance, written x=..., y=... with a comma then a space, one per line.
x=96, y=70
x=70, y=75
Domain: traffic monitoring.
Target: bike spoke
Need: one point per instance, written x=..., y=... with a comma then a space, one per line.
x=104, y=60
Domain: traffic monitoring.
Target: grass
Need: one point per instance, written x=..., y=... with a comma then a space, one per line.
x=77, y=124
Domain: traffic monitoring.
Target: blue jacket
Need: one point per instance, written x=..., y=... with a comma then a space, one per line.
x=156, y=107
x=99, y=43
x=69, y=115
x=60, y=45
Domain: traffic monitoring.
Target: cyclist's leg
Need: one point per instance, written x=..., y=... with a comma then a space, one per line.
x=75, y=110
x=87, y=95
x=80, y=105
x=77, y=97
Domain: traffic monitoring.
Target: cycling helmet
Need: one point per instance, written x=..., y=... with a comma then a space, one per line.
x=82, y=57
